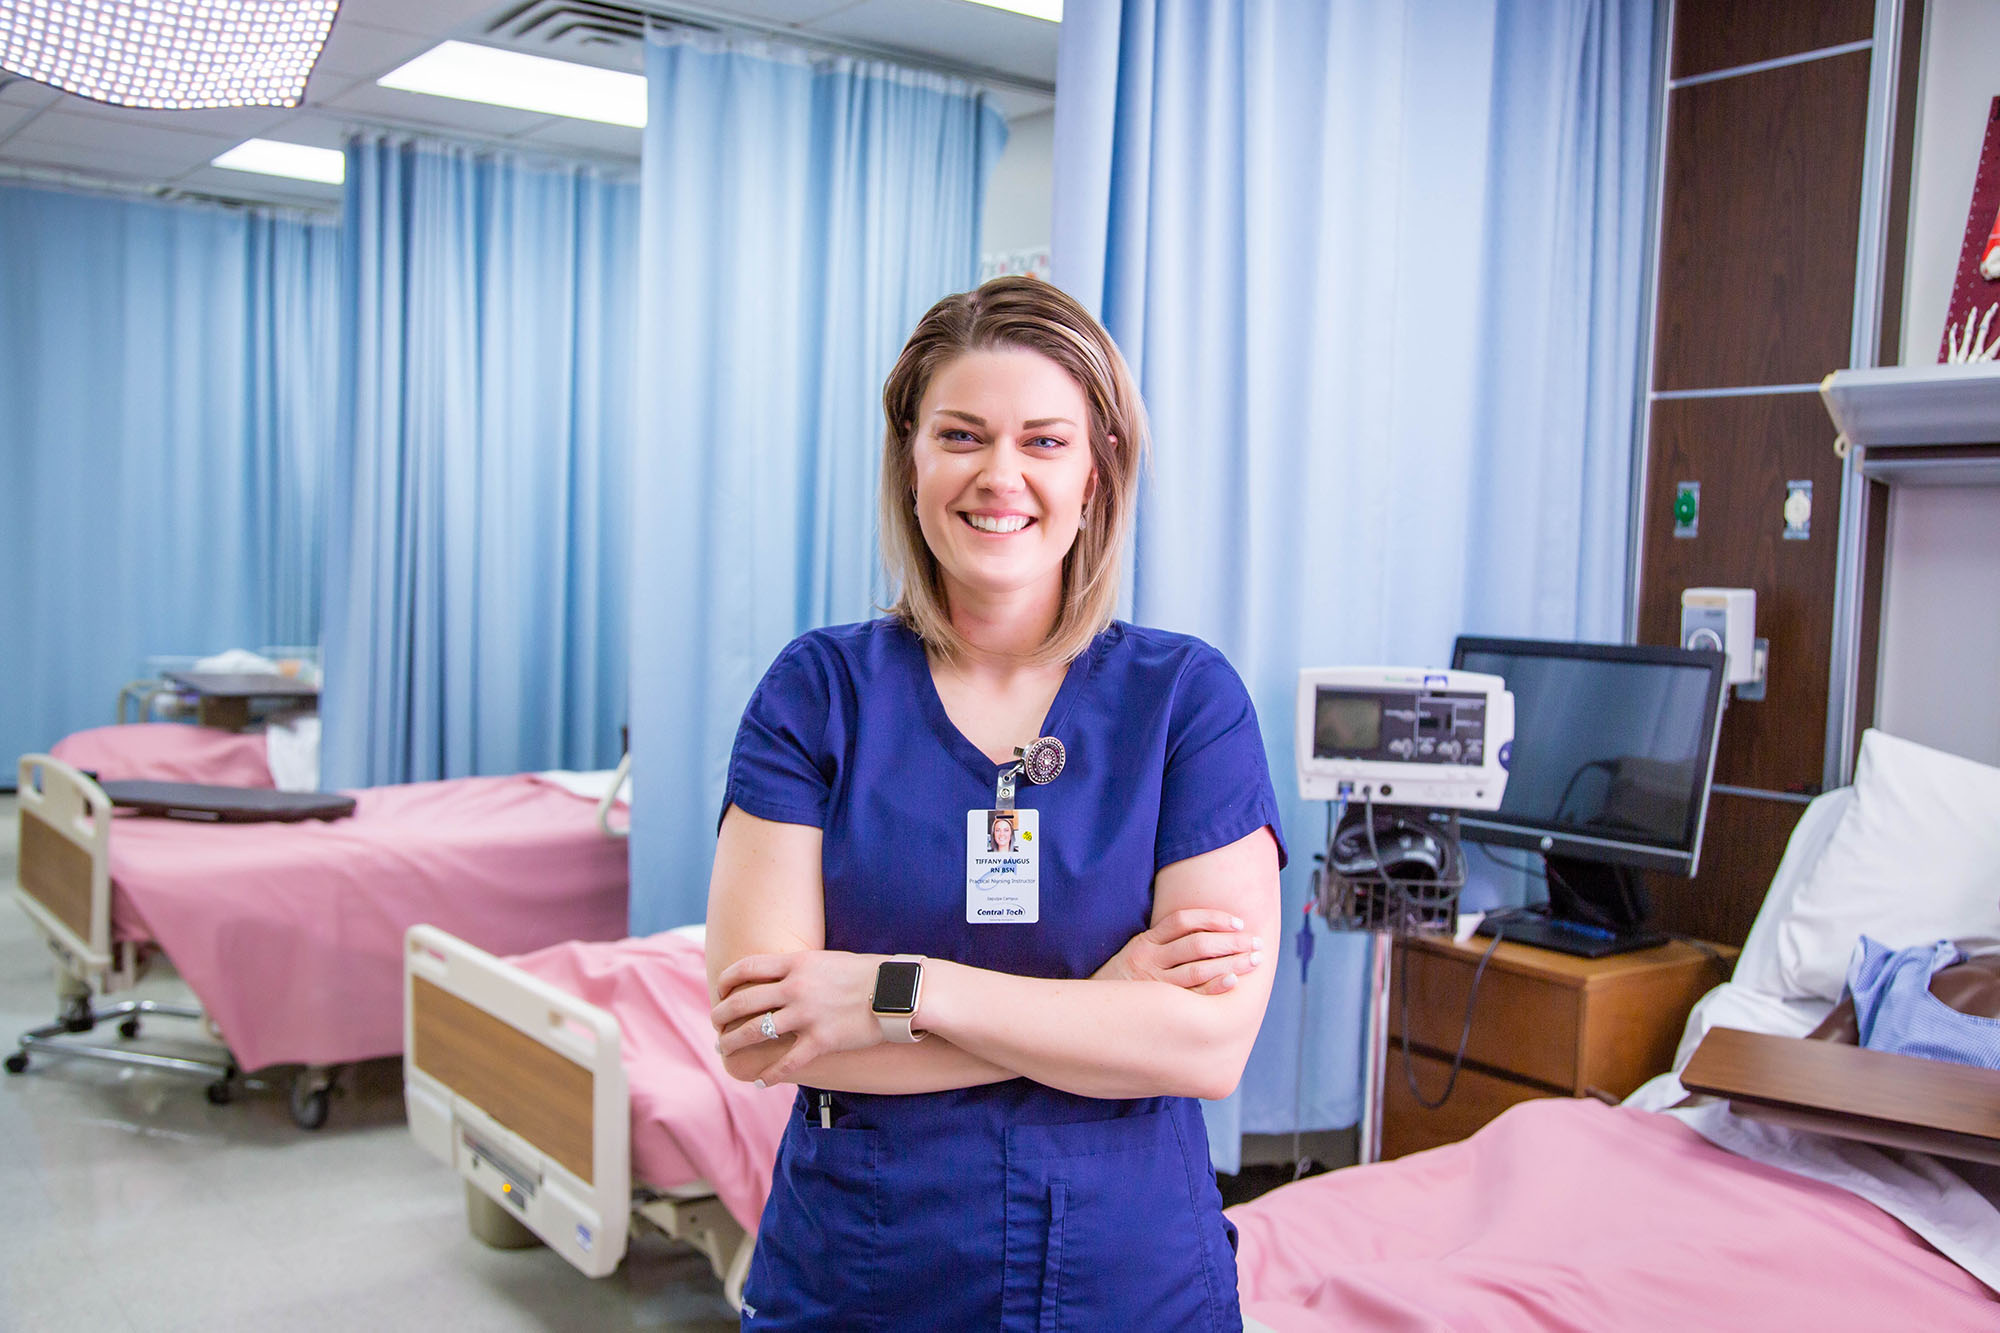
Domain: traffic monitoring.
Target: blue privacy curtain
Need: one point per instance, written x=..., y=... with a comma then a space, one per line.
x=799, y=216
x=166, y=385
x=478, y=556
x=1378, y=268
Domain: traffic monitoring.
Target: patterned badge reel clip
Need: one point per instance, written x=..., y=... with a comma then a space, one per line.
x=1040, y=761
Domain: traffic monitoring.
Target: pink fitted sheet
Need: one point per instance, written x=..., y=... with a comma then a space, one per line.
x=1572, y=1215
x=690, y=1120
x=291, y=935
x=168, y=752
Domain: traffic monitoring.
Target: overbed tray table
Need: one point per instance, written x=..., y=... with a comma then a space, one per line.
x=1850, y=1092
x=222, y=698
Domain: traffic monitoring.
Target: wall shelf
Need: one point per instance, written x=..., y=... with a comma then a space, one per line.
x=1920, y=425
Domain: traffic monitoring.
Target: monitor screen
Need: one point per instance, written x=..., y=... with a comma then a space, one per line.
x=1345, y=724
x=1614, y=749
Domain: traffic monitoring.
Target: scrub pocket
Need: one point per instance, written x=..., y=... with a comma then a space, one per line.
x=1109, y=1226
x=819, y=1246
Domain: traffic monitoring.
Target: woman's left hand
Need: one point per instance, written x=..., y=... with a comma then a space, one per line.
x=819, y=1001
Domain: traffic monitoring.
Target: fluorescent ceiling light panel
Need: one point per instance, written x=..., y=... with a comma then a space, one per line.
x=528, y=83
x=269, y=157
x=1034, y=9
x=167, y=55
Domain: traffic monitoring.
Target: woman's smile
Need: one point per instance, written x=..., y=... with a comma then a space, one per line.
x=997, y=524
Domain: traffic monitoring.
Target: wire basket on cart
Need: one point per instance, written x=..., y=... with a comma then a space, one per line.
x=1395, y=869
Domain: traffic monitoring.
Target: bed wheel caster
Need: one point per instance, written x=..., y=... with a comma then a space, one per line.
x=309, y=1104
x=129, y=1028
x=220, y=1093
x=17, y=1063
x=77, y=1017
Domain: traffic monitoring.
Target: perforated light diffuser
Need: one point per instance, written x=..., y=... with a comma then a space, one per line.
x=168, y=55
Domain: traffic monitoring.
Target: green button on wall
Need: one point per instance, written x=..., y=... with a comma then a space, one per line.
x=1687, y=508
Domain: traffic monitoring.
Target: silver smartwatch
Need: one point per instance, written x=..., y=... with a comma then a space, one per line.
x=899, y=984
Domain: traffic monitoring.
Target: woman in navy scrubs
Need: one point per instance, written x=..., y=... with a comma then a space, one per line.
x=997, y=1049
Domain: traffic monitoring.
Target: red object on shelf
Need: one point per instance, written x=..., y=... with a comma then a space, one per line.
x=1972, y=293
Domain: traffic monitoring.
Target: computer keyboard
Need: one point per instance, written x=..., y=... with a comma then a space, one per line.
x=1584, y=941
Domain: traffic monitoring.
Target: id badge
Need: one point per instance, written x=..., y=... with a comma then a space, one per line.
x=1003, y=883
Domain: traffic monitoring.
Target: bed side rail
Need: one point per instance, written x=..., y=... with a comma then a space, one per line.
x=620, y=776
x=521, y=1089
x=65, y=856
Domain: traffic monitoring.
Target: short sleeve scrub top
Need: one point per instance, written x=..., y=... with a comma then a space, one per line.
x=1012, y=1205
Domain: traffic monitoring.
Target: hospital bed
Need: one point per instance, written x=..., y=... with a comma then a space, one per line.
x=291, y=935
x=578, y=1087
x=1672, y=1212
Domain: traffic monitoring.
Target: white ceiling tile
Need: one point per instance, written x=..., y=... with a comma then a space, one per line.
x=25, y=92
x=358, y=50
x=445, y=113
x=586, y=136
x=952, y=32
x=313, y=128
x=12, y=117
x=107, y=162
x=175, y=149
x=234, y=123
x=438, y=17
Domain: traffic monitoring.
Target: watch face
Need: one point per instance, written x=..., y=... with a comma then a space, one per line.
x=896, y=988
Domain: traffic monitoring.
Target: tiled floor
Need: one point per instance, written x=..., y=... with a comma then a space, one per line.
x=127, y=1202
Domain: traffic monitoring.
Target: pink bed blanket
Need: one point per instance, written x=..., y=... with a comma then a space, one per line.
x=1572, y=1215
x=690, y=1120
x=291, y=935
x=168, y=752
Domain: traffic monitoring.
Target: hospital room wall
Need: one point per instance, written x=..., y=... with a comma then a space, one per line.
x=1941, y=595
x=1765, y=146
x=1019, y=197
x=1774, y=215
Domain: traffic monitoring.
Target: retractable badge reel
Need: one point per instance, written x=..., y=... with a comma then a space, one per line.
x=1003, y=844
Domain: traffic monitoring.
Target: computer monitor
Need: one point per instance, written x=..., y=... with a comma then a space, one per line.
x=1614, y=751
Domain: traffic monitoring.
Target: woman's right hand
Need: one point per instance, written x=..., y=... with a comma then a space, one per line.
x=1196, y=948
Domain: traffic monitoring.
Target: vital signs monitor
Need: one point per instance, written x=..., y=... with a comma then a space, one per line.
x=1404, y=736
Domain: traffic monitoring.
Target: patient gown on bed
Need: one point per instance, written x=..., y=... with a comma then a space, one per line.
x=1896, y=1011
x=1013, y=1206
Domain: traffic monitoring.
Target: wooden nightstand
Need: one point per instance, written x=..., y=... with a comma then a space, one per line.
x=1546, y=1025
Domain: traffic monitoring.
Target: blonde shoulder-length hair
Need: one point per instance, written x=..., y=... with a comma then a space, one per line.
x=1040, y=317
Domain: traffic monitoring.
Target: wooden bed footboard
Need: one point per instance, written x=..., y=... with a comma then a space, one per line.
x=65, y=876
x=520, y=1088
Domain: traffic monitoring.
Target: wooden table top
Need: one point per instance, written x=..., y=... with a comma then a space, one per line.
x=1851, y=1092
x=1550, y=964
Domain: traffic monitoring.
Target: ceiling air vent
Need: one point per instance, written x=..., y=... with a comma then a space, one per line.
x=586, y=30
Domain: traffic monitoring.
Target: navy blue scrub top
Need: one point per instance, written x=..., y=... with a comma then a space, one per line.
x=1012, y=1205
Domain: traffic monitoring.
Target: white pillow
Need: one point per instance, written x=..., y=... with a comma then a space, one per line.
x=1915, y=858
x=1757, y=967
